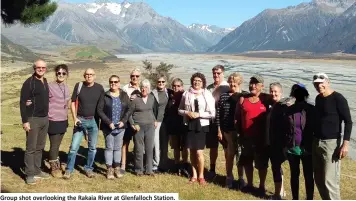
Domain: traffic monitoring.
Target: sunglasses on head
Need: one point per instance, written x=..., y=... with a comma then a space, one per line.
x=135, y=76
x=319, y=77
x=61, y=73
x=113, y=82
x=161, y=81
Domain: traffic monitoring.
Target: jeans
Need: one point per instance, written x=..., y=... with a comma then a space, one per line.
x=113, y=146
x=326, y=164
x=294, y=163
x=55, y=141
x=144, y=141
x=35, y=143
x=156, y=149
x=92, y=130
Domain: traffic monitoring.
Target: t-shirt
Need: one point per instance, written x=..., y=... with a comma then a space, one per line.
x=330, y=112
x=163, y=100
x=217, y=91
x=58, y=101
x=253, y=118
x=129, y=89
x=88, y=99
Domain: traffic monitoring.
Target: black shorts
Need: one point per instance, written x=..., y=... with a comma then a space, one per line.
x=128, y=135
x=250, y=153
x=212, y=140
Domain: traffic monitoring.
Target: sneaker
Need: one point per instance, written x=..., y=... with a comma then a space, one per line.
x=90, y=173
x=139, y=173
x=109, y=173
x=150, y=174
x=241, y=184
x=211, y=175
x=67, y=174
x=42, y=175
x=118, y=172
x=229, y=182
x=30, y=180
x=248, y=189
x=55, y=168
x=261, y=192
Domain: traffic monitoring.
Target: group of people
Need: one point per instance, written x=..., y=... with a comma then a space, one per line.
x=252, y=126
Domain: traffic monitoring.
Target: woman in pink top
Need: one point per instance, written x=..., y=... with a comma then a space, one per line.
x=57, y=116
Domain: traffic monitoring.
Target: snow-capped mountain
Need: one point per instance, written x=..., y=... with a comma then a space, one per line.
x=146, y=28
x=277, y=29
x=210, y=33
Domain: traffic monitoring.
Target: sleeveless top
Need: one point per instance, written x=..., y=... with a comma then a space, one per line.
x=253, y=118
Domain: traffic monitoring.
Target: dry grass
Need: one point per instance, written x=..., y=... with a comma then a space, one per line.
x=13, y=145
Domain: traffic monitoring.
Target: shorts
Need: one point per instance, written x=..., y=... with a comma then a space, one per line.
x=128, y=135
x=231, y=142
x=212, y=140
x=250, y=153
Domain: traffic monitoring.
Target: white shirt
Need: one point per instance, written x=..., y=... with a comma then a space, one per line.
x=129, y=89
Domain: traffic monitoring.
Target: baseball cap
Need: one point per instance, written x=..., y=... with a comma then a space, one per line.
x=258, y=78
x=320, y=77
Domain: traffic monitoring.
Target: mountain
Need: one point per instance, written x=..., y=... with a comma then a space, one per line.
x=276, y=29
x=339, y=35
x=210, y=33
x=146, y=28
x=11, y=50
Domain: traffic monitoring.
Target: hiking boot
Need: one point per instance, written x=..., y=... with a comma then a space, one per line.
x=211, y=175
x=55, y=168
x=118, y=172
x=42, y=175
x=241, y=184
x=229, y=182
x=109, y=173
x=30, y=180
x=67, y=174
x=90, y=173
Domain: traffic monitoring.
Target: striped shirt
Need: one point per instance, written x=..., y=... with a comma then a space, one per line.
x=58, y=101
x=225, y=112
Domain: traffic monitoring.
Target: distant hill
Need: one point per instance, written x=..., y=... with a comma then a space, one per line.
x=11, y=50
x=86, y=52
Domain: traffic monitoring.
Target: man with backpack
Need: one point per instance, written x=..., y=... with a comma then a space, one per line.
x=331, y=109
x=85, y=99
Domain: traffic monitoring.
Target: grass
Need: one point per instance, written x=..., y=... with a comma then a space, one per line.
x=13, y=146
x=86, y=52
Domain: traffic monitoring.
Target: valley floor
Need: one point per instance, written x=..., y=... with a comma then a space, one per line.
x=13, y=142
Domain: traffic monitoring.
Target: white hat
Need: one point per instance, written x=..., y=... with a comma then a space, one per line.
x=320, y=77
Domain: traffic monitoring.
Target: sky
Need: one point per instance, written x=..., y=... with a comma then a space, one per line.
x=223, y=13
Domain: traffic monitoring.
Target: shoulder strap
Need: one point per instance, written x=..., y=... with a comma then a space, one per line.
x=80, y=85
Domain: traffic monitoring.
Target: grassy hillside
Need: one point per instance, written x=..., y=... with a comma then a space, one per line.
x=86, y=52
x=13, y=51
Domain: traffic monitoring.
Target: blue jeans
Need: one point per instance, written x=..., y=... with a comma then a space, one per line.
x=113, y=145
x=92, y=130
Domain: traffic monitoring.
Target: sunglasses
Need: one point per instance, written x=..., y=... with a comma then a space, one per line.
x=137, y=76
x=61, y=73
x=217, y=73
x=319, y=77
x=41, y=68
x=113, y=82
x=161, y=81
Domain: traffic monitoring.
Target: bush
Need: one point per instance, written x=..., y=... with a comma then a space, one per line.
x=153, y=73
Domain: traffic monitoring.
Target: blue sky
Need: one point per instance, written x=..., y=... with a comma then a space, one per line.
x=223, y=13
